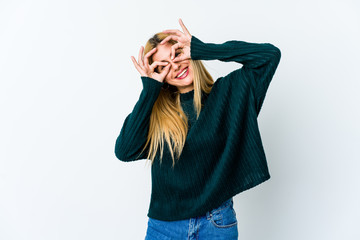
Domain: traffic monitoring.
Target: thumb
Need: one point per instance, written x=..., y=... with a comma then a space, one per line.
x=166, y=70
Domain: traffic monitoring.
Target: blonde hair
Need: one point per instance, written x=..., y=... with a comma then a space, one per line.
x=168, y=122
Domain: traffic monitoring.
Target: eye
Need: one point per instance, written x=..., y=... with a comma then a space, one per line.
x=159, y=69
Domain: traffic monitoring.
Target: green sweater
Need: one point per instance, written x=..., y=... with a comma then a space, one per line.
x=223, y=153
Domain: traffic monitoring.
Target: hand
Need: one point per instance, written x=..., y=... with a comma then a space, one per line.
x=147, y=70
x=183, y=41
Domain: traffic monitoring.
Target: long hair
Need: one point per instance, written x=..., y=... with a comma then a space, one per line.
x=168, y=122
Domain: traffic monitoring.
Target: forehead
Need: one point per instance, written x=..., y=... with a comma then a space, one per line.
x=162, y=52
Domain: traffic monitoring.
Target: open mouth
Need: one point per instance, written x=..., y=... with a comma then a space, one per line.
x=183, y=73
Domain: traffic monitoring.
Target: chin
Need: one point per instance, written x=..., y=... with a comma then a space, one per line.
x=181, y=84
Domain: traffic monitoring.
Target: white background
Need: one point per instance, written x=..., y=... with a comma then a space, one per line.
x=67, y=84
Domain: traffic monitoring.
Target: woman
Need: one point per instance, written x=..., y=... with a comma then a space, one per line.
x=201, y=136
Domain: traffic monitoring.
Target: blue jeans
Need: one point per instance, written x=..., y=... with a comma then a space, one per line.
x=219, y=223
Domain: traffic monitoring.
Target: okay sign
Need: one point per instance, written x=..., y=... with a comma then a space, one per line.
x=183, y=41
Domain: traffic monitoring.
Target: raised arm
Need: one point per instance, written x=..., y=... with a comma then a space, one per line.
x=133, y=134
x=259, y=61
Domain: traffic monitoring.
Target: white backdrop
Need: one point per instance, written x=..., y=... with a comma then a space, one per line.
x=67, y=84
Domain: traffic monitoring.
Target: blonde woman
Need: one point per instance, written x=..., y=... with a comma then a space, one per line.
x=201, y=136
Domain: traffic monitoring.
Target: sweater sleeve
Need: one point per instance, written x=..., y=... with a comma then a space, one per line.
x=259, y=61
x=133, y=134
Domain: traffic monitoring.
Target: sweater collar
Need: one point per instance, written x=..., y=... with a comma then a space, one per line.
x=187, y=96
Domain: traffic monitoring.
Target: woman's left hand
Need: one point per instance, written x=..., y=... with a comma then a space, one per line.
x=183, y=41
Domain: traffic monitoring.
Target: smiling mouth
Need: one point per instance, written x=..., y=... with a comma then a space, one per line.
x=183, y=74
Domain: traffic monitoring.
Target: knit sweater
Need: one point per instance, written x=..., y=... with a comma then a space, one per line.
x=223, y=153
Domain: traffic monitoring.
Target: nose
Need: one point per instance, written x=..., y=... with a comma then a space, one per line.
x=174, y=65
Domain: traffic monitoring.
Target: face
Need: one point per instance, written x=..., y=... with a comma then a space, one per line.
x=180, y=73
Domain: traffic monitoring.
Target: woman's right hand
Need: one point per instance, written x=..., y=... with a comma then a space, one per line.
x=147, y=70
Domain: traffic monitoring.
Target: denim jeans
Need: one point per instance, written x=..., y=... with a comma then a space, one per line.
x=219, y=223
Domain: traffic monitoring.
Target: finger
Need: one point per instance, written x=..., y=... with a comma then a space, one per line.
x=174, y=48
x=165, y=70
x=168, y=38
x=134, y=61
x=183, y=27
x=180, y=58
x=151, y=52
x=172, y=54
x=140, y=60
x=155, y=64
x=140, y=70
x=174, y=31
x=146, y=57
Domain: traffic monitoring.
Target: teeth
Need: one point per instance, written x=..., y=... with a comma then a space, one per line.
x=182, y=73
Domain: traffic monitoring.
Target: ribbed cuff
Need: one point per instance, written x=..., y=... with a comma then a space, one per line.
x=196, y=48
x=208, y=51
x=151, y=85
